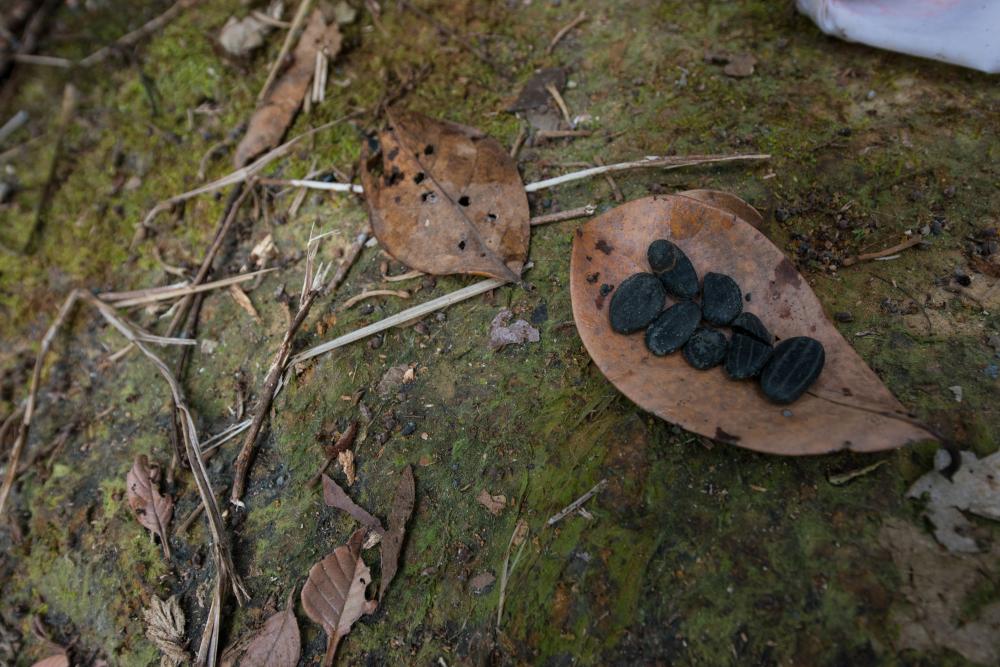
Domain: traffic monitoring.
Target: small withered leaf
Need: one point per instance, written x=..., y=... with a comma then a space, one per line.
x=334, y=594
x=277, y=644
x=449, y=200
x=392, y=542
x=165, y=628
x=151, y=509
x=335, y=496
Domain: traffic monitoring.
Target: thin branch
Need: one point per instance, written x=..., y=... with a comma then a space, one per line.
x=313, y=185
x=560, y=102
x=400, y=318
x=565, y=30
x=155, y=294
x=888, y=252
x=581, y=212
x=545, y=135
x=133, y=37
x=286, y=46
x=343, y=443
x=358, y=298
x=277, y=369
x=576, y=504
x=29, y=408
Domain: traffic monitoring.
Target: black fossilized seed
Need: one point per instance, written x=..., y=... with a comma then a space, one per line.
x=794, y=366
x=673, y=268
x=673, y=328
x=721, y=298
x=746, y=357
x=706, y=348
x=636, y=303
x=750, y=324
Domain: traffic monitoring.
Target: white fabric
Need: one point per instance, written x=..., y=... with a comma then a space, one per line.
x=962, y=32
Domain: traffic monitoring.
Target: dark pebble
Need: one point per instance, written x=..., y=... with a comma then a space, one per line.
x=673, y=328
x=673, y=268
x=636, y=303
x=706, y=348
x=843, y=317
x=409, y=428
x=721, y=299
x=746, y=356
x=794, y=366
x=750, y=324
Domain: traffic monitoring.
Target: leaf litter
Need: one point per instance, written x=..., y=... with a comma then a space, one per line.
x=392, y=541
x=277, y=643
x=335, y=496
x=151, y=509
x=165, y=628
x=503, y=333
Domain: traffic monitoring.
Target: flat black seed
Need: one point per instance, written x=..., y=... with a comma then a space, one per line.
x=706, y=348
x=636, y=303
x=794, y=366
x=721, y=299
x=673, y=268
x=746, y=356
x=750, y=324
x=673, y=328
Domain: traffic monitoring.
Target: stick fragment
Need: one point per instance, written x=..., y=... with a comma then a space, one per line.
x=576, y=504
x=565, y=30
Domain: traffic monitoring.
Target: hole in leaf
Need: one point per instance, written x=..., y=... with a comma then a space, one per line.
x=419, y=178
x=491, y=217
x=429, y=149
x=395, y=176
x=463, y=200
x=461, y=245
x=429, y=197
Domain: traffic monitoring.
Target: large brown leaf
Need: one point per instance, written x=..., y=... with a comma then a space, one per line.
x=392, y=541
x=152, y=510
x=277, y=644
x=847, y=408
x=275, y=113
x=449, y=199
x=334, y=594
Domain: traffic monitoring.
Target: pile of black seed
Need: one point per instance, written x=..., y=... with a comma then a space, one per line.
x=786, y=370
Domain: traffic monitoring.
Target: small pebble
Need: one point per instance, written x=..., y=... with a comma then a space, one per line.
x=957, y=392
x=673, y=328
x=747, y=356
x=794, y=366
x=673, y=268
x=636, y=303
x=409, y=428
x=721, y=299
x=706, y=348
x=992, y=371
x=843, y=317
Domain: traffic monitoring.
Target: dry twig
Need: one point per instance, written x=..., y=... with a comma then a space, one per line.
x=565, y=30
x=286, y=46
x=576, y=504
x=581, y=212
x=343, y=443
x=909, y=243
x=358, y=298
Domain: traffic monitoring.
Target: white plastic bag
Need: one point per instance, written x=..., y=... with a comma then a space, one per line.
x=962, y=32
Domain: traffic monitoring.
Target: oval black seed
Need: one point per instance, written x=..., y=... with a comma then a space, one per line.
x=673, y=268
x=746, y=356
x=673, y=328
x=636, y=303
x=750, y=324
x=721, y=299
x=706, y=348
x=794, y=366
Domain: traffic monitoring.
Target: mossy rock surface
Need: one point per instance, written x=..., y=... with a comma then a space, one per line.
x=697, y=553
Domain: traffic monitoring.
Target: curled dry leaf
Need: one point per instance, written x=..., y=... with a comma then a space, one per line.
x=449, y=199
x=847, y=408
x=392, y=541
x=975, y=487
x=277, y=644
x=503, y=333
x=165, y=628
x=153, y=510
x=335, y=496
x=334, y=595
x=275, y=113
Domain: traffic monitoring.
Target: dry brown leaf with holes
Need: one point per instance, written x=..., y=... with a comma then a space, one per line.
x=392, y=541
x=334, y=595
x=335, y=496
x=165, y=628
x=277, y=644
x=58, y=660
x=494, y=504
x=276, y=111
x=847, y=408
x=449, y=199
x=243, y=301
x=152, y=510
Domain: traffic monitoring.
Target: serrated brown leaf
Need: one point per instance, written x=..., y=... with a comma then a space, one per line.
x=449, y=199
x=165, y=628
x=277, y=644
x=151, y=509
x=334, y=594
x=847, y=408
x=275, y=113
x=335, y=496
x=392, y=541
